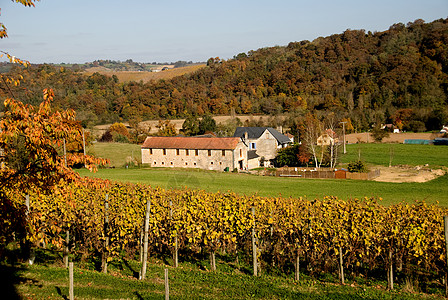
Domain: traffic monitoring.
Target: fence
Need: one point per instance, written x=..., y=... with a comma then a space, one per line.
x=324, y=173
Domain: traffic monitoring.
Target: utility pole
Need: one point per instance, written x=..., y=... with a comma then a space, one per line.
x=343, y=129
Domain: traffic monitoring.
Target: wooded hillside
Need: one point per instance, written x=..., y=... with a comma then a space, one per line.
x=397, y=76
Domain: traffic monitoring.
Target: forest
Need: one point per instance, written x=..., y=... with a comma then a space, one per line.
x=398, y=76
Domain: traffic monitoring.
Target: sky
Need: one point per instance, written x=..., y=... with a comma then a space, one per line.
x=69, y=31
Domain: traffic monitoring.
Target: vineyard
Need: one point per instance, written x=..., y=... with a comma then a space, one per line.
x=94, y=217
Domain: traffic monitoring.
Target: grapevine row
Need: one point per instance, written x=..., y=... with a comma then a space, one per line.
x=368, y=233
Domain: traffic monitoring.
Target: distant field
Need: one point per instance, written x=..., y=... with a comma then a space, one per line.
x=432, y=191
x=117, y=153
x=375, y=154
x=401, y=154
x=125, y=76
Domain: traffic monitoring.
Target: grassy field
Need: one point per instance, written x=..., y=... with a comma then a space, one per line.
x=401, y=154
x=191, y=280
x=373, y=154
x=435, y=190
x=117, y=153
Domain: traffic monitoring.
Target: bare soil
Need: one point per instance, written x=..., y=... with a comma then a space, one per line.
x=366, y=137
x=408, y=174
x=126, y=76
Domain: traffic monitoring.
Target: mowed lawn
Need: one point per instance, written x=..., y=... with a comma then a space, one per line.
x=374, y=154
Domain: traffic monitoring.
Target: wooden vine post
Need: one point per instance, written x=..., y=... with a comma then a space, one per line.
x=390, y=272
x=106, y=234
x=142, y=233
x=297, y=265
x=67, y=232
x=167, y=286
x=66, y=248
x=145, y=240
x=445, y=227
x=28, y=251
x=71, y=293
x=213, y=261
x=254, y=245
x=341, y=266
x=176, y=252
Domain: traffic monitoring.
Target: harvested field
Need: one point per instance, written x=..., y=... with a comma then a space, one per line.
x=365, y=137
x=125, y=76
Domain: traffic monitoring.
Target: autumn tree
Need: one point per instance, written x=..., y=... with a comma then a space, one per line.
x=292, y=156
x=313, y=129
x=116, y=132
x=207, y=124
x=166, y=128
x=32, y=141
x=379, y=133
x=190, y=127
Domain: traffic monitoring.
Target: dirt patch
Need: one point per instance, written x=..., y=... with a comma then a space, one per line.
x=365, y=137
x=408, y=174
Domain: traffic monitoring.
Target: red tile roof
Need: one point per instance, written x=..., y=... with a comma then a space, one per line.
x=159, y=142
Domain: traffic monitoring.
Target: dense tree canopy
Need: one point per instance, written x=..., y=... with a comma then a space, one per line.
x=364, y=77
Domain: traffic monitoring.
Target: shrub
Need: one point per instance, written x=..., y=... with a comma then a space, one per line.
x=357, y=167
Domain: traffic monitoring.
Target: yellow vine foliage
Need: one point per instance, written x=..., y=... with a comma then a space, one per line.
x=363, y=229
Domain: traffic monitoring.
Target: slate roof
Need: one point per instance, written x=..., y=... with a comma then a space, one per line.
x=251, y=154
x=177, y=142
x=256, y=132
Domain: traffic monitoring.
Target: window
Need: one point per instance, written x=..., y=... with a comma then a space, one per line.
x=209, y=152
x=171, y=163
x=187, y=152
x=194, y=163
x=163, y=163
x=253, y=146
x=241, y=152
x=177, y=151
x=186, y=163
x=164, y=151
x=223, y=152
x=196, y=152
x=211, y=163
x=155, y=163
x=150, y=151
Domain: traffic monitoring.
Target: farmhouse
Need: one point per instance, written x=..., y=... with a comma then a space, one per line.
x=210, y=153
x=262, y=142
x=329, y=137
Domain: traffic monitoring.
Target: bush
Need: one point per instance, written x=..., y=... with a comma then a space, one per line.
x=416, y=126
x=117, y=132
x=357, y=167
x=379, y=134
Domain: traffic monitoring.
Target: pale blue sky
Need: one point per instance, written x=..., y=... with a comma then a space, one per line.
x=78, y=31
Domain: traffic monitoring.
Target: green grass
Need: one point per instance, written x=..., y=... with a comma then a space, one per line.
x=117, y=153
x=189, y=281
x=432, y=191
x=373, y=154
x=402, y=154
